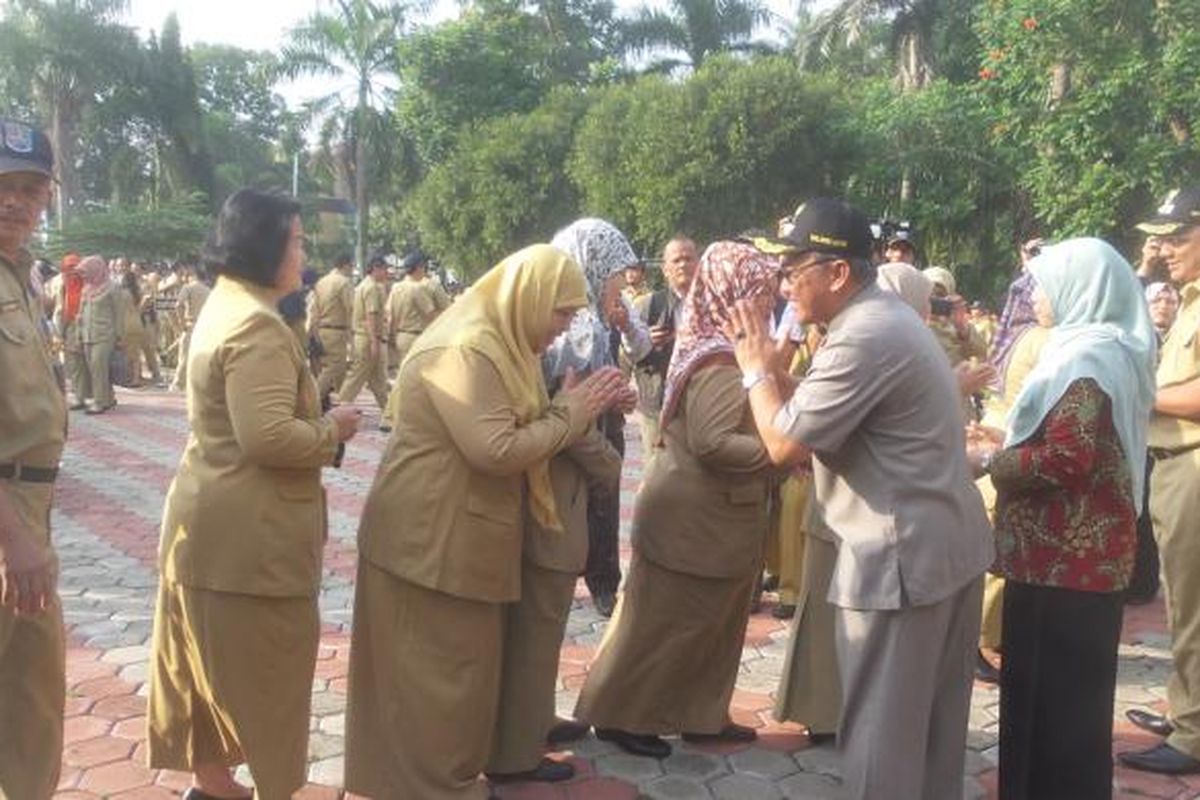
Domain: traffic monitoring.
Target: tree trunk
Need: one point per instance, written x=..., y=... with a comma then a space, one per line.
x=914, y=71
x=360, y=179
x=62, y=139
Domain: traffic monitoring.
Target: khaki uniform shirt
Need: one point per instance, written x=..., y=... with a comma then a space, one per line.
x=368, y=299
x=703, y=508
x=246, y=511
x=879, y=409
x=411, y=306
x=190, y=300
x=332, y=302
x=1179, y=363
x=33, y=411
x=956, y=348
x=102, y=316
x=445, y=511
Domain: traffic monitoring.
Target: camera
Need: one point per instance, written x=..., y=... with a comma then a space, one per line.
x=941, y=306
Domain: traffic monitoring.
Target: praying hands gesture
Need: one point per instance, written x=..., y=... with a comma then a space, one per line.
x=752, y=343
x=604, y=389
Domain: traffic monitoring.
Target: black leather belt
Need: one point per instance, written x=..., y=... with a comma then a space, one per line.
x=413, y=333
x=27, y=474
x=333, y=327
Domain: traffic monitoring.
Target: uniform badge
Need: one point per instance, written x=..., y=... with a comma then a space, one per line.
x=18, y=138
x=1168, y=206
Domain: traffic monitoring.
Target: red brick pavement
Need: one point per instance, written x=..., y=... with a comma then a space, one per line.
x=105, y=725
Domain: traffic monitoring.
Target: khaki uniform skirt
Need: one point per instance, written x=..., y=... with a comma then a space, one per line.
x=810, y=687
x=231, y=682
x=424, y=683
x=669, y=658
x=533, y=635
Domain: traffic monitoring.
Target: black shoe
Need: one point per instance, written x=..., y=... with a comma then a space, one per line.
x=649, y=746
x=195, y=794
x=819, y=739
x=732, y=732
x=984, y=671
x=1163, y=759
x=784, y=611
x=567, y=730
x=605, y=603
x=1150, y=722
x=547, y=771
x=385, y=428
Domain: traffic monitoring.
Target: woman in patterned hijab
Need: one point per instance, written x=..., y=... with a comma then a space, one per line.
x=669, y=659
x=603, y=252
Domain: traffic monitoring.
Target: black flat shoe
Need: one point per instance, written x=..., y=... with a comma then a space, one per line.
x=195, y=794
x=984, y=671
x=1162, y=759
x=819, y=739
x=649, y=746
x=732, y=732
x=547, y=771
x=1150, y=722
x=784, y=611
x=567, y=730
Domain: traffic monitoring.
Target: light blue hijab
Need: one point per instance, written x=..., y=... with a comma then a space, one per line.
x=1102, y=331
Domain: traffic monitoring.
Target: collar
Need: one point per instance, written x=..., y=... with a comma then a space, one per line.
x=1189, y=291
x=865, y=292
x=21, y=267
x=232, y=285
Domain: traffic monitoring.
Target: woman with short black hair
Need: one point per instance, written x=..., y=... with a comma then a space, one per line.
x=237, y=626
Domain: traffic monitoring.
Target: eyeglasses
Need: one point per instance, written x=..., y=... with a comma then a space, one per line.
x=793, y=273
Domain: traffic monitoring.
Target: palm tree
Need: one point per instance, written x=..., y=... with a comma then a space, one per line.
x=67, y=53
x=358, y=40
x=911, y=28
x=696, y=29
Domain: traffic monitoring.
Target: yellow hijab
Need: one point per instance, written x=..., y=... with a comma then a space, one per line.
x=503, y=316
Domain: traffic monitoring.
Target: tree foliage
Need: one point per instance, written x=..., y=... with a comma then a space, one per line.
x=168, y=232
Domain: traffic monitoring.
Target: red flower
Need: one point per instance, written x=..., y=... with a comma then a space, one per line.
x=987, y=74
x=1030, y=23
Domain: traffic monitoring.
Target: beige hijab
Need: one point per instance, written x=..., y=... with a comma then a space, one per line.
x=503, y=317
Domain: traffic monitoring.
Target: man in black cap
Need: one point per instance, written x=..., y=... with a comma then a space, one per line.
x=878, y=414
x=33, y=421
x=414, y=302
x=1174, y=442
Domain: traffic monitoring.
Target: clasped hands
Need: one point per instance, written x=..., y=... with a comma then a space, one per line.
x=983, y=442
x=603, y=390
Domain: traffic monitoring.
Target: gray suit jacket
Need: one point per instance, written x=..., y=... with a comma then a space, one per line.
x=879, y=408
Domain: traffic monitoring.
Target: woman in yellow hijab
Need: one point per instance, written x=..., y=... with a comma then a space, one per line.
x=440, y=539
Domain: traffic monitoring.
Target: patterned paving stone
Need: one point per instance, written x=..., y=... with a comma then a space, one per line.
x=115, y=474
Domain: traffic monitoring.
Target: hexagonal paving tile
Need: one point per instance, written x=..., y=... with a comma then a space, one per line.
x=744, y=787
x=633, y=769
x=674, y=787
x=762, y=763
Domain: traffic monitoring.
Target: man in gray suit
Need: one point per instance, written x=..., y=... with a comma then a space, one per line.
x=878, y=413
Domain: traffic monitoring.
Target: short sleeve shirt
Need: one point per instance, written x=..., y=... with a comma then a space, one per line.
x=1179, y=362
x=879, y=408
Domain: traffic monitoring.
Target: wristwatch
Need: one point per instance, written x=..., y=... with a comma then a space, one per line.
x=752, y=379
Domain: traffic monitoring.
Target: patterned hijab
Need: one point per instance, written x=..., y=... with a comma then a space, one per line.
x=1101, y=331
x=94, y=271
x=728, y=272
x=601, y=251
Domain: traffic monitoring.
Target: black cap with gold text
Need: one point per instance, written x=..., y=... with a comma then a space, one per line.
x=821, y=225
x=1180, y=209
x=24, y=148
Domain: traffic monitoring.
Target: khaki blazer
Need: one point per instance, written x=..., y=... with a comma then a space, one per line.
x=368, y=299
x=190, y=302
x=703, y=507
x=591, y=461
x=246, y=511
x=411, y=306
x=445, y=511
x=102, y=316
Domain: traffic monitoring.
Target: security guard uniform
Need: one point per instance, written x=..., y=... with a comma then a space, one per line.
x=33, y=427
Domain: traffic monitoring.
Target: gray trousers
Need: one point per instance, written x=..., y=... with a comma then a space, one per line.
x=906, y=678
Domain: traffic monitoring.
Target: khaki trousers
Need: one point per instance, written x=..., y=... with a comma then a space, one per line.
x=1175, y=509
x=810, y=687
x=231, y=682
x=150, y=351
x=993, y=612
x=334, y=363
x=181, y=353
x=533, y=635
x=32, y=674
x=76, y=364
x=785, y=539
x=366, y=370
x=424, y=687
x=403, y=343
x=907, y=677
x=99, y=355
